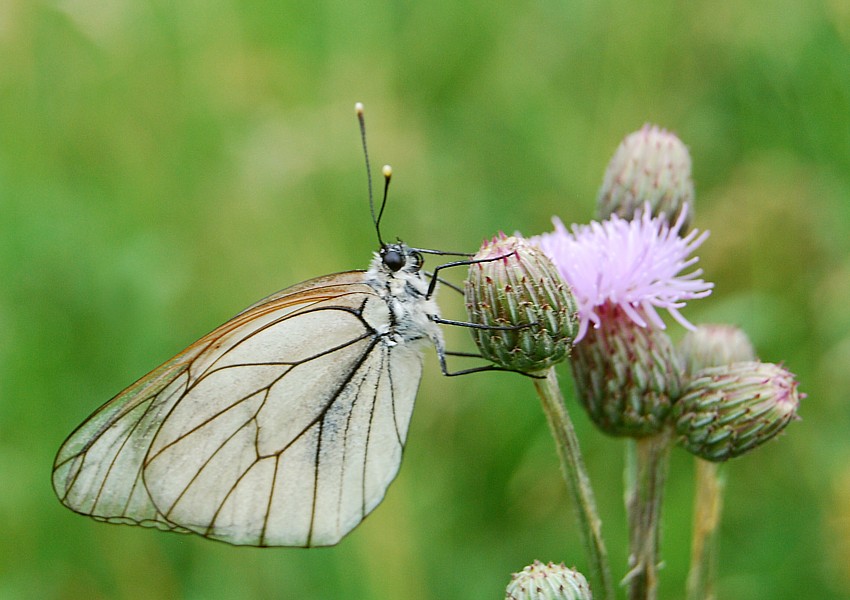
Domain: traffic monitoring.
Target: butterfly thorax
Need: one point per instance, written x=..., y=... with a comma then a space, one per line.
x=396, y=276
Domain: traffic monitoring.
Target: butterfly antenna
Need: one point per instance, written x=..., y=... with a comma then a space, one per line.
x=387, y=172
x=358, y=108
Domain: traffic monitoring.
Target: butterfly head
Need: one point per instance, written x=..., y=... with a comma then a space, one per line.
x=398, y=258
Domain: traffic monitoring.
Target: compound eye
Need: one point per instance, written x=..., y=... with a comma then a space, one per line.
x=394, y=260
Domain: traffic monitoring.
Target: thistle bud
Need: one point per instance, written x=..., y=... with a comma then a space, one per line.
x=715, y=346
x=520, y=289
x=548, y=582
x=651, y=166
x=627, y=376
x=730, y=410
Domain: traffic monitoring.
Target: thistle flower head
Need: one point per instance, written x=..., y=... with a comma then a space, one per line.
x=636, y=265
x=527, y=310
x=627, y=377
x=650, y=167
x=548, y=582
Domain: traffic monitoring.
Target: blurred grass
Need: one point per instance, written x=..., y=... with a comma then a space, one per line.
x=162, y=166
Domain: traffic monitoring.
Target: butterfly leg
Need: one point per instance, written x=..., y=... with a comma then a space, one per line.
x=459, y=263
x=442, y=353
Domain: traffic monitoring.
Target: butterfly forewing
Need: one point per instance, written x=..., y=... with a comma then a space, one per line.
x=282, y=427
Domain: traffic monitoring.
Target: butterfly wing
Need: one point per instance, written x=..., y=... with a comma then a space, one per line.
x=283, y=427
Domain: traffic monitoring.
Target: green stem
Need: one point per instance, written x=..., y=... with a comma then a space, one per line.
x=646, y=471
x=572, y=468
x=708, y=505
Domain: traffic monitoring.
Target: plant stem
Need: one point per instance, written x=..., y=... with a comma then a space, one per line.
x=573, y=470
x=646, y=471
x=708, y=505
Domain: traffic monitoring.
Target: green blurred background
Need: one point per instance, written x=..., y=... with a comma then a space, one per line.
x=163, y=165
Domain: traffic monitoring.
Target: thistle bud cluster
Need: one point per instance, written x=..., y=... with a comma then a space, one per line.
x=548, y=582
x=596, y=294
x=615, y=275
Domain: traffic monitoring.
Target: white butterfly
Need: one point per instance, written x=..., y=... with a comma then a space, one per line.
x=283, y=427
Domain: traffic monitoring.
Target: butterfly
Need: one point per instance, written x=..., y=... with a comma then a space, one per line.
x=282, y=427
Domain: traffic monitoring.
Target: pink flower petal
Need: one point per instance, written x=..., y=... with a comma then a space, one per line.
x=635, y=264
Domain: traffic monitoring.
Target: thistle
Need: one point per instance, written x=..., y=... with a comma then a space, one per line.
x=709, y=346
x=529, y=318
x=651, y=166
x=621, y=272
x=627, y=376
x=548, y=582
x=519, y=290
x=635, y=264
x=728, y=411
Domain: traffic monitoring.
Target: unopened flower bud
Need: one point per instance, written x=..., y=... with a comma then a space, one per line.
x=730, y=410
x=548, y=582
x=651, y=166
x=627, y=376
x=715, y=346
x=528, y=310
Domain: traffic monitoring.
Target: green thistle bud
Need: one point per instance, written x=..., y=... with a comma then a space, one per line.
x=627, y=376
x=548, y=582
x=650, y=166
x=715, y=346
x=520, y=288
x=730, y=410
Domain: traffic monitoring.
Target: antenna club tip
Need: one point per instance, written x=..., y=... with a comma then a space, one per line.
x=358, y=108
x=387, y=170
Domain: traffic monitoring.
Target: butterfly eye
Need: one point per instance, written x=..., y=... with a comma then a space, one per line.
x=394, y=260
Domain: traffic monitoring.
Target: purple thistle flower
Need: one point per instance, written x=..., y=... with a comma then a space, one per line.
x=634, y=264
